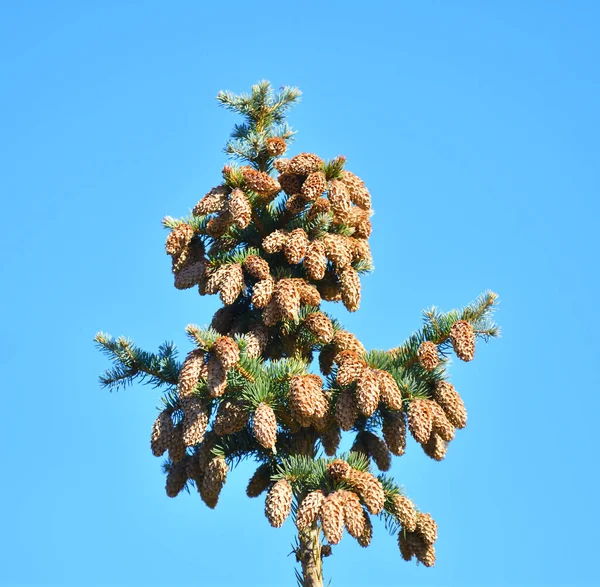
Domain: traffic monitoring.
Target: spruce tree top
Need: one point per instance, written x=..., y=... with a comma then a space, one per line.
x=275, y=239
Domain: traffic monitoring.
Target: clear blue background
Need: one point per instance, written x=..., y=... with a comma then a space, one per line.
x=475, y=125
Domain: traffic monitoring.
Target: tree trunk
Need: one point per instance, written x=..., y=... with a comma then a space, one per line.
x=310, y=557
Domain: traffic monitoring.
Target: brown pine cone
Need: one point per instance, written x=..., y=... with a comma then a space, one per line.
x=462, y=338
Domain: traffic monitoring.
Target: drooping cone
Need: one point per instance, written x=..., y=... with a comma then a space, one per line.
x=190, y=275
x=350, y=367
x=389, y=391
x=296, y=204
x=405, y=512
x=204, y=453
x=256, y=267
x=296, y=246
x=339, y=470
x=414, y=543
x=279, y=503
x=275, y=146
x=405, y=546
x=320, y=206
x=231, y=417
x=309, y=294
x=361, y=251
x=271, y=314
x=320, y=326
x=314, y=185
x=176, y=478
x=223, y=318
x=420, y=420
x=287, y=298
x=370, y=490
x=257, y=340
x=190, y=373
x=232, y=284
x=447, y=397
x=435, y=447
x=262, y=292
x=176, y=444
x=179, y=238
x=441, y=424
x=195, y=421
x=367, y=392
x=281, y=164
x=346, y=410
x=354, y=515
x=291, y=183
x=363, y=227
x=239, y=208
x=365, y=538
x=315, y=261
x=274, y=242
x=214, y=478
x=339, y=197
x=356, y=188
x=427, y=528
x=308, y=510
x=304, y=164
x=330, y=440
x=378, y=450
x=305, y=395
x=260, y=481
x=332, y=518
x=346, y=341
x=326, y=358
x=337, y=250
x=350, y=288
x=260, y=182
x=428, y=355
x=215, y=277
x=394, y=432
x=264, y=426
x=162, y=430
x=462, y=338
x=219, y=225
x=227, y=351
x=213, y=201
x=217, y=377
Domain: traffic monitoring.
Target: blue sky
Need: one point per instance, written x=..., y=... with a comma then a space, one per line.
x=474, y=124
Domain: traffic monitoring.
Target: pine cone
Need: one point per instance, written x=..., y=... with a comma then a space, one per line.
x=441, y=425
x=337, y=250
x=262, y=292
x=214, y=478
x=320, y=206
x=425, y=553
x=462, y=338
x=330, y=440
x=260, y=481
x=308, y=510
x=275, y=146
x=315, y=261
x=357, y=190
x=281, y=165
x=257, y=340
x=162, y=431
x=232, y=284
x=305, y=163
x=296, y=204
x=427, y=528
x=350, y=367
x=219, y=225
x=346, y=410
x=363, y=228
x=190, y=373
x=264, y=426
x=223, y=318
x=314, y=185
x=214, y=201
x=339, y=197
x=354, y=515
x=350, y=288
x=339, y=470
x=227, y=352
x=369, y=488
x=190, y=275
x=435, y=447
x=420, y=420
x=279, y=503
x=176, y=479
x=367, y=392
x=239, y=208
x=179, y=238
x=215, y=276
x=257, y=267
x=346, y=341
x=394, y=432
x=217, y=377
x=389, y=391
x=326, y=357
x=320, y=326
x=332, y=518
x=291, y=183
x=296, y=246
x=231, y=417
x=365, y=539
x=176, y=444
x=305, y=395
x=405, y=512
x=275, y=242
x=405, y=546
x=260, y=182
x=287, y=298
x=271, y=314
x=451, y=402
x=195, y=421
x=361, y=251
x=378, y=450
x=428, y=355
